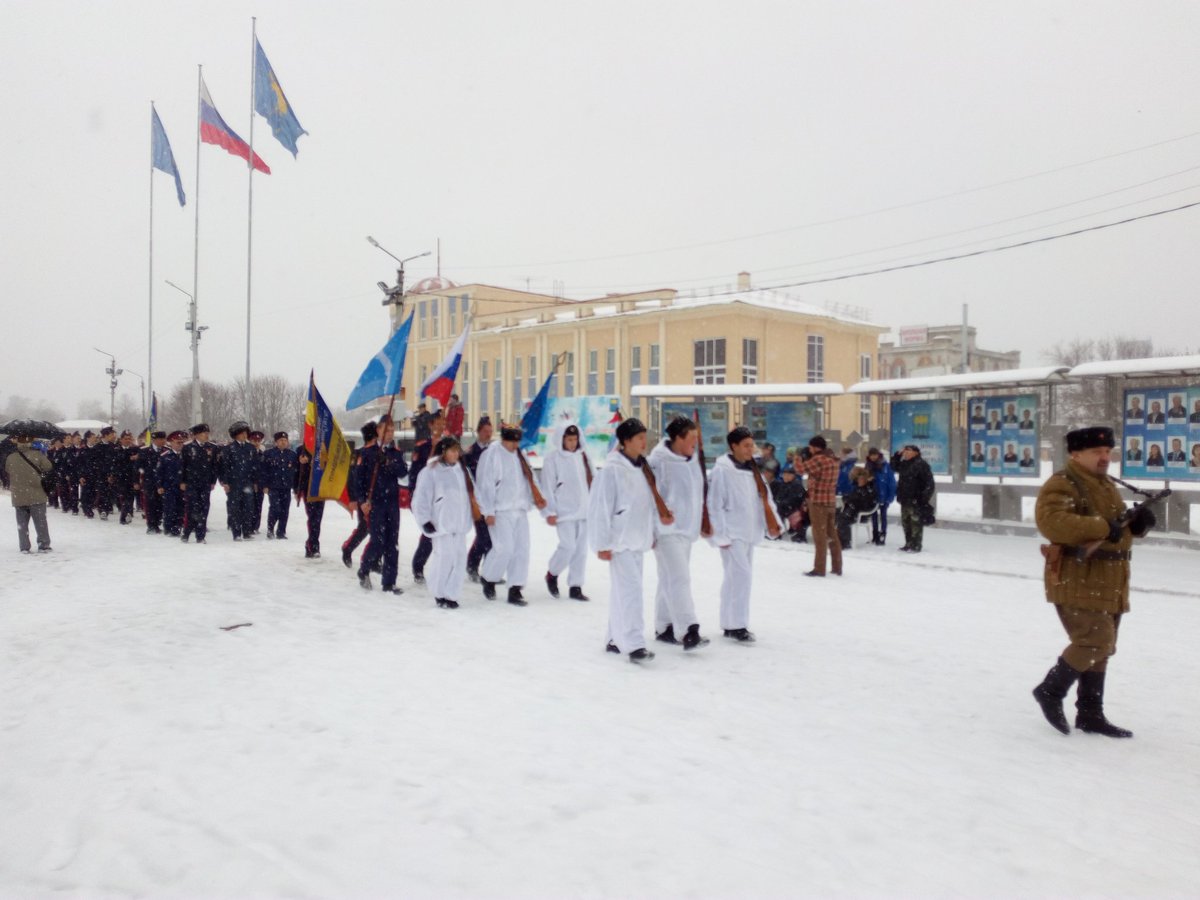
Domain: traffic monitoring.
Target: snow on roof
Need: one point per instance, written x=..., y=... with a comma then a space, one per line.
x=1001, y=378
x=823, y=389
x=1162, y=365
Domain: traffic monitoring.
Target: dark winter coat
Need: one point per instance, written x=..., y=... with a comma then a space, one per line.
x=387, y=483
x=1074, y=508
x=199, y=465
x=168, y=471
x=125, y=466
x=916, y=481
x=789, y=497
x=861, y=498
x=238, y=465
x=278, y=471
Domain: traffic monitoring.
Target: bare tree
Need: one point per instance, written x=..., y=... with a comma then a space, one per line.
x=218, y=407
x=1087, y=402
x=92, y=409
x=273, y=403
x=17, y=407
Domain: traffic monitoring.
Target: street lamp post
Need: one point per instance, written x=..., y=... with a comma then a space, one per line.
x=395, y=295
x=142, y=380
x=196, y=329
x=112, y=372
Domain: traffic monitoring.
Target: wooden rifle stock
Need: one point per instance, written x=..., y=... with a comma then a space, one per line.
x=763, y=495
x=705, y=522
x=665, y=516
x=476, y=515
x=538, y=500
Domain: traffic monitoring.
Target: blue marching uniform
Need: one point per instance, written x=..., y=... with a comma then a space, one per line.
x=278, y=477
x=165, y=479
x=385, y=509
x=237, y=476
x=199, y=473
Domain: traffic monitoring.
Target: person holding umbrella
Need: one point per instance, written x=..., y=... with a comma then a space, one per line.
x=25, y=467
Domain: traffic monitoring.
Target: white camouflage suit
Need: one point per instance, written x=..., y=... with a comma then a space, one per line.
x=442, y=498
x=565, y=487
x=735, y=510
x=502, y=491
x=621, y=516
x=681, y=485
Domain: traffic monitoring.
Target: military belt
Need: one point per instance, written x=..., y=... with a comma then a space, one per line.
x=1107, y=555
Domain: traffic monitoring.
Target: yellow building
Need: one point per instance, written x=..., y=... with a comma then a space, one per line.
x=614, y=343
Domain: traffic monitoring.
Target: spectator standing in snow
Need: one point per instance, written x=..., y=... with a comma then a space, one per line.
x=861, y=499
x=915, y=493
x=454, y=418
x=25, y=467
x=885, y=489
x=849, y=461
x=1086, y=576
x=818, y=463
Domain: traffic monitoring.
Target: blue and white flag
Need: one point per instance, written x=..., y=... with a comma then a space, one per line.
x=385, y=372
x=161, y=156
x=271, y=104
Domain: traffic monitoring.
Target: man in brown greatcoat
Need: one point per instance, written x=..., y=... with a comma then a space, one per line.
x=1087, y=575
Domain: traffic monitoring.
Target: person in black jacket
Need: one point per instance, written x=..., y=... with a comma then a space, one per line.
x=260, y=479
x=237, y=480
x=483, y=540
x=915, y=493
x=165, y=482
x=791, y=499
x=861, y=499
x=278, y=477
x=379, y=474
x=147, y=463
x=198, y=474
x=100, y=471
x=125, y=476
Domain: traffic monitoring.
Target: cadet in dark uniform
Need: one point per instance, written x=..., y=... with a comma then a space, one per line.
x=103, y=460
x=197, y=476
x=362, y=526
x=166, y=478
x=483, y=540
x=279, y=467
x=83, y=469
x=256, y=439
x=125, y=476
x=151, y=498
x=54, y=454
x=314, y=511
x=237, y=479
x=68, y=476
x=381, y=505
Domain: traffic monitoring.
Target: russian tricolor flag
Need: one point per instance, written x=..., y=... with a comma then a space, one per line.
x=213, y=130
x=440, y=383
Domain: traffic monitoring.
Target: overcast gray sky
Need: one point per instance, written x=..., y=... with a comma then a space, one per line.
x=609, y=147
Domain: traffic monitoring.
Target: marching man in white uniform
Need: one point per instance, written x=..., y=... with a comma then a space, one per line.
x=566, y=481
x=505, y=491
x=742, y=513
x=442, y=504
x=621, y=516
x=676, y=466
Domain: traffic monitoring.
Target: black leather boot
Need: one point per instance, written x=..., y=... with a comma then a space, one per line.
x=1090, y=706
x=1051, y=692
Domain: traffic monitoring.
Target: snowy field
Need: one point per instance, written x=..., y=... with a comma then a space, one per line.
x=878, y=741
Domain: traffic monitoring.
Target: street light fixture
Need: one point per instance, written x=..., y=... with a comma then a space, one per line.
x=395, y=295
x=196, y=330
x=112, y=372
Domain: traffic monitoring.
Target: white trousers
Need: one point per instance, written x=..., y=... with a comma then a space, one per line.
x=736, y=559
x=625, y=625
x=673, y=603
x=572, y=551
x=509, y=556
x=447, y=566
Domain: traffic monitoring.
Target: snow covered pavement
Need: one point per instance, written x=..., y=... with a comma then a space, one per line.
x=878, y=740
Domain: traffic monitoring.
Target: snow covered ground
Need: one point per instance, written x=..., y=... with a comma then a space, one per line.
x=879, y=740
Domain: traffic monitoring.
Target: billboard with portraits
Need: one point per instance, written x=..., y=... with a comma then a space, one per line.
x=1160, y=433
x=1002, y=436
x=925, y=423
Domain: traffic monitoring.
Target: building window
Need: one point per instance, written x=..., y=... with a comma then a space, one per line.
x=533, y=385
x=652, y=376
x=610, y=370
x=497, y=390
x=463, y=305
x=864, y=367
x=749, y=361
x=483, y=387
x=516, y=394
x=434, y=312
x=816, y=359
x=424, y=373
x=464, y=391
x=593, y=382
x=864, y=414
x=708, y=361
x=452, y=303
x=635, y=378
x=569, y=381
x=422, y=326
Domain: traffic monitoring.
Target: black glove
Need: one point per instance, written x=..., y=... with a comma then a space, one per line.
x=1114, y=531
x=1142, y=520
x=428, y=528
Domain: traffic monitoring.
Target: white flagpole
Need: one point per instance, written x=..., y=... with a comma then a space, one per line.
x=150, y=342
x=250, y=212
x=196, y=411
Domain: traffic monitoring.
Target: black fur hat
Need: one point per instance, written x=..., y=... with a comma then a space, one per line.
x=1086, y=438
x=629, y=428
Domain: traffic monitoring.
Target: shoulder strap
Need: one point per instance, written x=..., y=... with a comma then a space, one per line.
x=587, y=468
x=1085, y=508
x=29, y=463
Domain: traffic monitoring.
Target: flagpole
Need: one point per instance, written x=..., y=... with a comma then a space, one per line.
x=196, y=412
x=250, y=209
x=150, y=327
